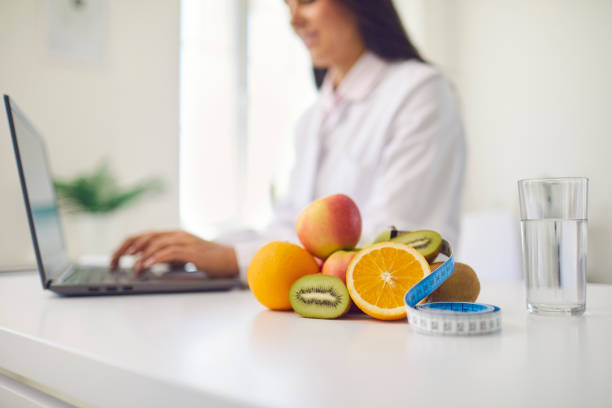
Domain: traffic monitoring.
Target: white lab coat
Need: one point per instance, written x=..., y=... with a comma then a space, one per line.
x=390, y=137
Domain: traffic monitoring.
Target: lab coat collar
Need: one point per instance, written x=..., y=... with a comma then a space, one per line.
x=358, y=82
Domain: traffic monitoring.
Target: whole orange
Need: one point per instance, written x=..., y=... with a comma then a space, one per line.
x=274, y=268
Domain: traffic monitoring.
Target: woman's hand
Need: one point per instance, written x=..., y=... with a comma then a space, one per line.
x=178, y=247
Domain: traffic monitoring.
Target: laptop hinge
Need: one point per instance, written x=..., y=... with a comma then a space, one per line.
x=48, y=283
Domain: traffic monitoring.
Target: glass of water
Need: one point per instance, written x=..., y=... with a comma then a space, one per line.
x=554, y=236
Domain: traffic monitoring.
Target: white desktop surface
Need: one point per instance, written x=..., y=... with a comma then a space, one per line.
x=225, y=349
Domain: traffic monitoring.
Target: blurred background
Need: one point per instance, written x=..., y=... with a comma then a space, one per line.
x=203, y=95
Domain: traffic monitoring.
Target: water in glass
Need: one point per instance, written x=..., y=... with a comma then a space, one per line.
x=555, y=265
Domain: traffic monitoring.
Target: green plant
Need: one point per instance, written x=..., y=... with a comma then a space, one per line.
x=98, y=193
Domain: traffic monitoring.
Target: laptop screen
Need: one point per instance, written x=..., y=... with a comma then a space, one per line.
x=39, y=194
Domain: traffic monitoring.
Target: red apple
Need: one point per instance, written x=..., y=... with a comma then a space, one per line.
x=329, y=224
x=337, y=264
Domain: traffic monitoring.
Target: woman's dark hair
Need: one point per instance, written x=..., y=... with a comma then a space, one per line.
x=382, y=31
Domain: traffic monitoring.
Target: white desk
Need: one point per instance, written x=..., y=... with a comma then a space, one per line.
x=224, y=349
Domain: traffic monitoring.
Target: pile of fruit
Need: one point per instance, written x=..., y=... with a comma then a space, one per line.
x=328, y=274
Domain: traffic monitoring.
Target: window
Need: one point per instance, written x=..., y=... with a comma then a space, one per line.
x=245, y=79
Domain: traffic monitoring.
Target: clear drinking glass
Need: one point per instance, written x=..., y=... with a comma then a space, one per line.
x=554, y=236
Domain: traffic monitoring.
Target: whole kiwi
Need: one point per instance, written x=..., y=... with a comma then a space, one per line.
x=462, y=286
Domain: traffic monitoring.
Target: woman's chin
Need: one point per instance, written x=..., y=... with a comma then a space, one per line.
x=318, y=61
x=319, y=64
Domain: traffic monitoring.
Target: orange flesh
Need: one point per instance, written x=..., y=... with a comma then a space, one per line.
x=383, y=277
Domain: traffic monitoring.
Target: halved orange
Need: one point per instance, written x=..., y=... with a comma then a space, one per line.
x=380, y=275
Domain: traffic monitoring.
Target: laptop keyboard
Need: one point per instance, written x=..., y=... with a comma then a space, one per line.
x=82, y=275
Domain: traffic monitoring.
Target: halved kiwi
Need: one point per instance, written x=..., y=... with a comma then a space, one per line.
x=462, y=286
x=319, y=296
x=427, y=242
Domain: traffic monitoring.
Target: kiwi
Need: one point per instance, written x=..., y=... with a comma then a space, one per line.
x=319, y=296
x=462, y=286
x=387, y=235
x=427, y=242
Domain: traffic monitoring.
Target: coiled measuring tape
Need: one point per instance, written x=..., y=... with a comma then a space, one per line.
x=448, y=318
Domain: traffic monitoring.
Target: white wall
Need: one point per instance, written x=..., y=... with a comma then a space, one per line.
x=534, y=80
x=123, y=105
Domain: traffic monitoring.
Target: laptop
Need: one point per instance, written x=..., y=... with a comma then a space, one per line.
x=57, y=273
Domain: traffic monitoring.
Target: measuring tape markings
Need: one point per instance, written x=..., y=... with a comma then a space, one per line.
x=448, y=318
x=444, y=318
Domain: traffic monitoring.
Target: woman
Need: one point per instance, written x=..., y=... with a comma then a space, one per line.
x=385, y=130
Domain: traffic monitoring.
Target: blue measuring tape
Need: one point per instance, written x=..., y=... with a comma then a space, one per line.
x=448, y=318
